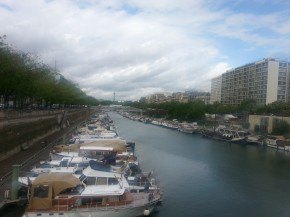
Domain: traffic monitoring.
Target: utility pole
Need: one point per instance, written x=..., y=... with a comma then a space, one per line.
x=15, y=185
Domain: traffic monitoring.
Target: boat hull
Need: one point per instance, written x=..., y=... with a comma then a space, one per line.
x=93, y=212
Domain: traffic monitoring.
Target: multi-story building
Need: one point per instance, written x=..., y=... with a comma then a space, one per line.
x=204, y=98
x=190, y=96
x=182, y=97
x=265, y=81
x=156, y=98
x=177, y=96
x=216, y=89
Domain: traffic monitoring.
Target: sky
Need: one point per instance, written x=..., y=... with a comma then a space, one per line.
x=138, y=47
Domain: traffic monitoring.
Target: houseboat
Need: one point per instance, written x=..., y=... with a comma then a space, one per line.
x=58, y=194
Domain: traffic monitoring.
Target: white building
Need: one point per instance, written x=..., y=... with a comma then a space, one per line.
x=265, y=81
x=216, y=90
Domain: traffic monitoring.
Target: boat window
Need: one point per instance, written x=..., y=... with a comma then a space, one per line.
x=86, y=201
x=102, y=181
x=97, y=200
x=76, y=190
x=83, y=165
x=78, y=172
x=72, y=164
x=80, y=189
x=41, y=191
x=90, y=181
x=64, y=163
x=113, y=199
x=45, y=165
x=113, y=181
x=82, y=177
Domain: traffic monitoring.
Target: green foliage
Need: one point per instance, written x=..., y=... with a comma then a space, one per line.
x=174, y=110
x=27, y=81
x=277, y=108
x=106, y=102
x=197, y=109
x=280, y=127
x=248, y=105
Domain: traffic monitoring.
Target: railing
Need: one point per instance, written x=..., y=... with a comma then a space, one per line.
x=69, y=204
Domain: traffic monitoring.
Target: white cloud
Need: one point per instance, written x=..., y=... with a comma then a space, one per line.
x=131, y=47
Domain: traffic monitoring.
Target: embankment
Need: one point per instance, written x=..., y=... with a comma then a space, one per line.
x=20, y=130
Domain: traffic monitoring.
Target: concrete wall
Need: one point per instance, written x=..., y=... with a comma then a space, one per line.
x=256, y=120
x=30, y=130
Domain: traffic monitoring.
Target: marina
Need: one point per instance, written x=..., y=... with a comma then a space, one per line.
x=198, y=176
x=94, y=172
x=144, y=108
x=226, y=132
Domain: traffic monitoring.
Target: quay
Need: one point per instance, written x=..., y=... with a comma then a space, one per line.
x=28, y=157
x=232, y=133
x=85, y=169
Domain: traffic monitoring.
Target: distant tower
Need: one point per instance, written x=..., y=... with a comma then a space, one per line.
x=114, y=99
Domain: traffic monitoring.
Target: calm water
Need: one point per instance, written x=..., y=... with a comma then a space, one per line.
x=202, y=177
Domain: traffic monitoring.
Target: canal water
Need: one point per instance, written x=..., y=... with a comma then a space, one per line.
x=207, y=178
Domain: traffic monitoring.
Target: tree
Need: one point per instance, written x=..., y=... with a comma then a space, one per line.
x=25, y=80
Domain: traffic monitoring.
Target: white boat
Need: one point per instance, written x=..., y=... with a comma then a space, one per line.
x=278, y=142
x=64, y=195
x=188, y=128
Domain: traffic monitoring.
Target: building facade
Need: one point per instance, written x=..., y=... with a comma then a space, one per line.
x=264, y=81
x=264, y=123
x=182, y=97
x=216, y=89
x=156, y=98
x=204, y=98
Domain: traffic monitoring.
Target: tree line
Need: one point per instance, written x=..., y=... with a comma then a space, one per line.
x=26, y=81
x=196, y=110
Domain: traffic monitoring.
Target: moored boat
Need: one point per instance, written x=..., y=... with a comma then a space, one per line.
x=64, y=195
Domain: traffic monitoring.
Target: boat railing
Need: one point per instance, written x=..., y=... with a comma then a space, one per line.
x=69, y=204
x=91, y=205
x=143, y=184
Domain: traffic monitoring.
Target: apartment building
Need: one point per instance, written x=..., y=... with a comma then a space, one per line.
x=265, y=81
x=204, y=98
x=190, y=96
x=182, y=97
x=156, y=98
x=216, y=90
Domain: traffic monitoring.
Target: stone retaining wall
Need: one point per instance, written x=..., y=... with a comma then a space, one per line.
x=28, y=131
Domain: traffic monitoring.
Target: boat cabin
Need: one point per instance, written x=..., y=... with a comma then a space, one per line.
x=64, y=192
x=102, y=176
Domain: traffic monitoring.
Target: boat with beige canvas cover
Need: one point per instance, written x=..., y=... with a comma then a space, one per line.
x=58, y=194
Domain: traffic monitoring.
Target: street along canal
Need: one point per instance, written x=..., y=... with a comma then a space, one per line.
x=203, y=177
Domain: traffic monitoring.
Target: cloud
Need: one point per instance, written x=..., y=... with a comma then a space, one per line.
x=134, y=47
